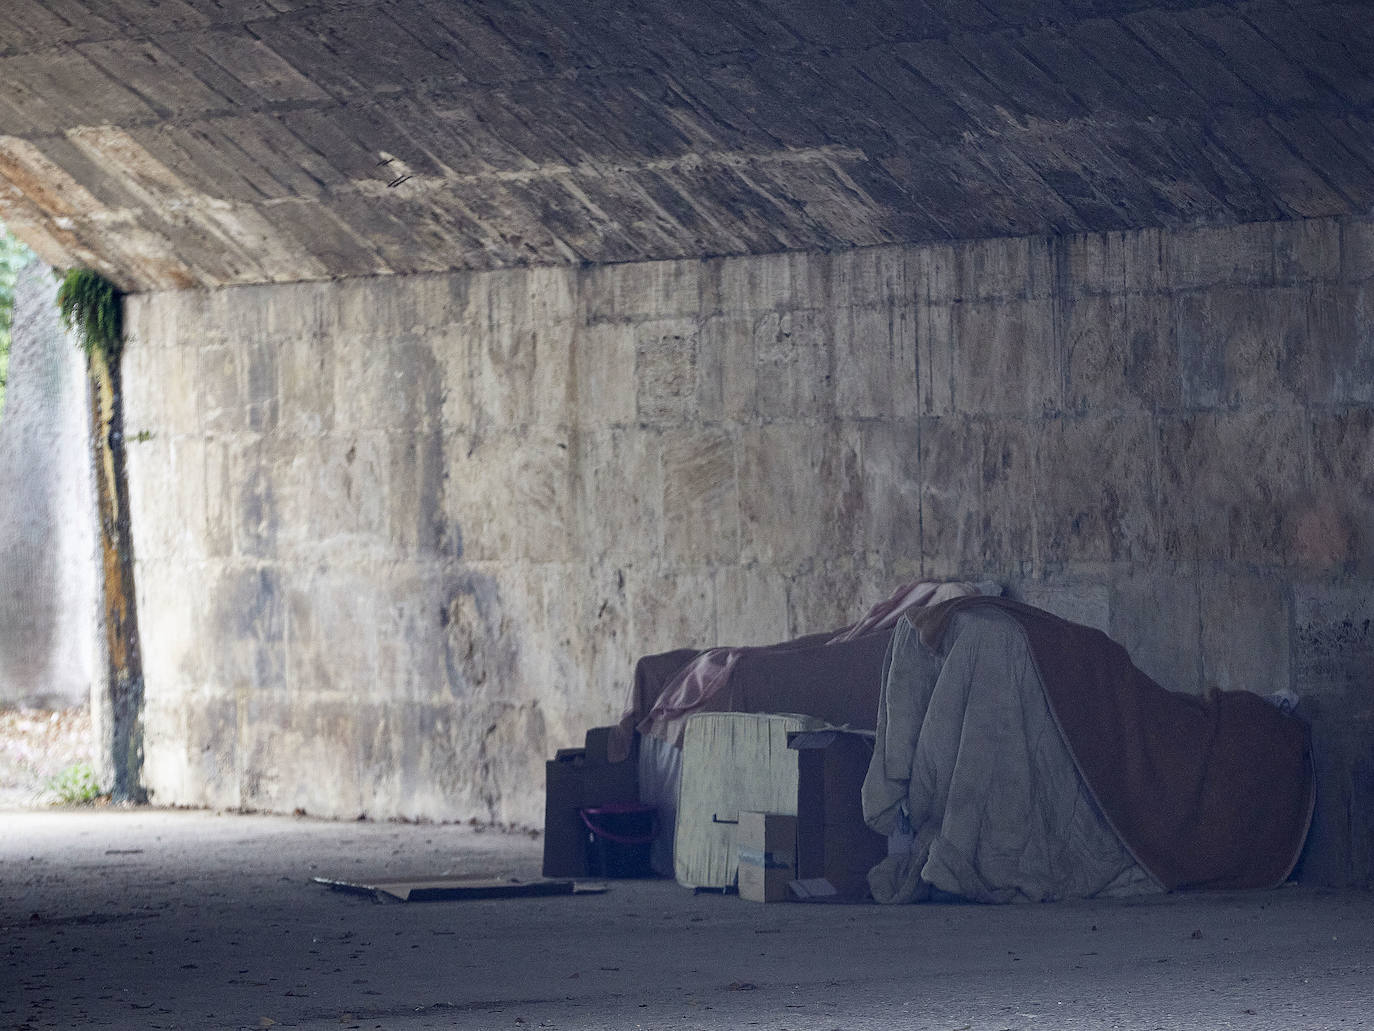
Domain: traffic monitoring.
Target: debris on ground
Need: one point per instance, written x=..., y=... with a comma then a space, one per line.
x=41, y=747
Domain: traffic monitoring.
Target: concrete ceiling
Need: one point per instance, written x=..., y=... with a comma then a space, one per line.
x=175, y=143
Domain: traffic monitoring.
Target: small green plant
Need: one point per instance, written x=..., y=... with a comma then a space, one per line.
x=76, y=785
x=91, y=305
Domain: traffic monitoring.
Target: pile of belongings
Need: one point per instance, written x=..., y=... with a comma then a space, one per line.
x=1018, y=756
x=834, y=677
x=1023, y=757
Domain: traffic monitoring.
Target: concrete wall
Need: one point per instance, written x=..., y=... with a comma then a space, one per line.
x=400, y=538
x=48, y=642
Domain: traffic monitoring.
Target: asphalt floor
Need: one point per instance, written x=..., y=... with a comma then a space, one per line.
x=145, y=918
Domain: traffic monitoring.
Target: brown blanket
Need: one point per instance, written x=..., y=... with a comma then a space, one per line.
x=838, y=683
x=1212, y=792
x=835, y=676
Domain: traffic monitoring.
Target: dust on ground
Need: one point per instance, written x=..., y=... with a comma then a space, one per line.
x=38, y=745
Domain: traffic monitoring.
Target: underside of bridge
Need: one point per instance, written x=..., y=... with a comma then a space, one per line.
x=478, y=348
x=214, y=142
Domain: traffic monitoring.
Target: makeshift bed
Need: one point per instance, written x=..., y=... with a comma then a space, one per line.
x=1018, y=756
x=835, y=677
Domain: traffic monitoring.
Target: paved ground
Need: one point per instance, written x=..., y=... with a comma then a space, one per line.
x=155, y=919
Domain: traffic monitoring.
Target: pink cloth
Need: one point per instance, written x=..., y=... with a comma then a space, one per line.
x=885, y=614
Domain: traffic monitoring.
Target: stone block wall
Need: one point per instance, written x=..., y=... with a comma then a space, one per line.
x=400, y=538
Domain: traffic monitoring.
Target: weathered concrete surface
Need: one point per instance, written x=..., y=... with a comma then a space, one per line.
x=401, y=538
x=214, y=142
x=191, y=920
x=48, y=647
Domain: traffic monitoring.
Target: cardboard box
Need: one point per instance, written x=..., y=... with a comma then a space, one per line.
x=575, y=779
x=597, y=744
x=767, y=845
x=833, y=842
x=732, y=762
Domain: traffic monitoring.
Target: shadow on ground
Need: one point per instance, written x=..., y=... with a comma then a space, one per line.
x=158, y=919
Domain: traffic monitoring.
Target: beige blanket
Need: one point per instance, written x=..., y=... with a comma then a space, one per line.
x=983, y=698
x=973, y=783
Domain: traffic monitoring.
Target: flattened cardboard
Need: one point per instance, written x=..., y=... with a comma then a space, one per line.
x=833, y=842
x=767, y=848
x=451, y=889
